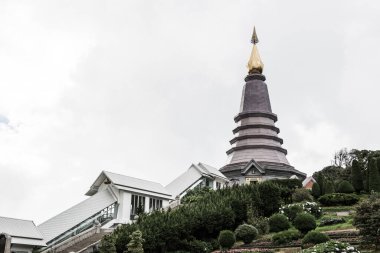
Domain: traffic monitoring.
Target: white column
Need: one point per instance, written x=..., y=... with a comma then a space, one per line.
x=124, y=210
x=146, y=209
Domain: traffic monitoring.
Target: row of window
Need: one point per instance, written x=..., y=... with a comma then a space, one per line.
x=138, y=204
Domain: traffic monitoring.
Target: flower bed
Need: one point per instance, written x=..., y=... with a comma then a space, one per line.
x=332, y=247
x=310, y=207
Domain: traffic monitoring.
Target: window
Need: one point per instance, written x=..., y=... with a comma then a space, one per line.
x=218, y=185
x=137, y=205
x=154, y=204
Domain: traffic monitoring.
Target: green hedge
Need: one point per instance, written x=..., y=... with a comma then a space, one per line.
x=315, y=237
x=285, y=237
x=338, y=199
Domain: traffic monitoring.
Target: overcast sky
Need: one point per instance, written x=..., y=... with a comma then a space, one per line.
x=145, y=88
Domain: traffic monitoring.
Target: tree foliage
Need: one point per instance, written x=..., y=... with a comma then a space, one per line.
x=135, y=245
x=373, y=176
x=316, y=190
x=107, y=244
x=356, y=176
x=345, y=187
x=367, y=220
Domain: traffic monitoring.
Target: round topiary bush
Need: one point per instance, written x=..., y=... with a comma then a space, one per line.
x=345, y=187
x=278, y=222
x=315, y=237
x=226, y=239
x=285, y=237
x=304, y=222
x=246, y=233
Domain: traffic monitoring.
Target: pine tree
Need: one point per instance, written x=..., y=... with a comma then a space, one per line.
x=136, y=243
x=373, y=176
x=316, y=190
x=356, y=176
x=107, y=245
x=321, y=182
x=329, y=187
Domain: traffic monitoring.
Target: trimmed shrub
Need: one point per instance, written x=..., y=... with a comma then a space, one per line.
x=278, y=222
x=338, y=199
x=226, y=239
x=316, y=190
x=136, y=243
x=345, y=187
x=301, y=194
x=304, y=222
x=246, y=233
x=197, y=246
x=331, y=221
x=315, y=237
x=285, y=237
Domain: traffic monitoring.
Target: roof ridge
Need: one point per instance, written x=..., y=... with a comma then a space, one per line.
x=132, y=177
x=16, y=219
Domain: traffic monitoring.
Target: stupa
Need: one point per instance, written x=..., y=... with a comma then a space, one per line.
x=256, y=152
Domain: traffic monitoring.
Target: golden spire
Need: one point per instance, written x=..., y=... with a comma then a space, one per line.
x=255, y=65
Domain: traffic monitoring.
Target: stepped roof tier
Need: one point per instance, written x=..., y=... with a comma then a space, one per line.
x=256, y=138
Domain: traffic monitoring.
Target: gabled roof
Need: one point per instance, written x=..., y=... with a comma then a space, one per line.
x=251, y=164
x=307, y=180
x=122, y=181
x=21, y=231
x=73, y=216
x=211, y=171
x=192, y=176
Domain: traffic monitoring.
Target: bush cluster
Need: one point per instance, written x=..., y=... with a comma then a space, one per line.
x=305, y=222
x=315, y=237
x=261, y=224
x=278, y=222
x=201, y=218
x=338, y=199
x=285, y=237
x=246, y=233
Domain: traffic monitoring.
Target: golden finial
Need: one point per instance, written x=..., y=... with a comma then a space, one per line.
x=255, y=65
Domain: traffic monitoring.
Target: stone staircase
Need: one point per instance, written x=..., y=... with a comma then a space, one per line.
x=83, y=242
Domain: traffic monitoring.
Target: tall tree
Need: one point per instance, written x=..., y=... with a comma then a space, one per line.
x=373, y=176
x=316, y=190
x=321, y=182
x=356, y=176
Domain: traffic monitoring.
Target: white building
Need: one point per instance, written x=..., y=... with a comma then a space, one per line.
x=113, y=199
x=198, y=175
x=23, y=234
